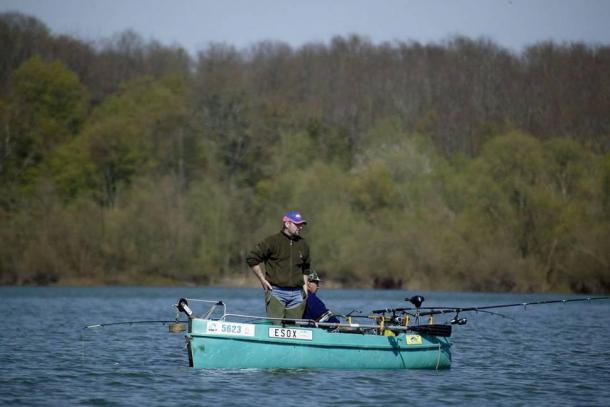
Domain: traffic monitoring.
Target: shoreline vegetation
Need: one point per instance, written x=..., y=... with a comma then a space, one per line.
x=247, y=283
x=458, y=166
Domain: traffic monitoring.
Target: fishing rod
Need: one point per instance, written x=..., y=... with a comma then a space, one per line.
x=174, y=326
x=446, y=310
x=424, y=314
x=430, y=311
x=129, y=323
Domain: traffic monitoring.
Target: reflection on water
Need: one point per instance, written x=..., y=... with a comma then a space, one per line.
x=548, y=354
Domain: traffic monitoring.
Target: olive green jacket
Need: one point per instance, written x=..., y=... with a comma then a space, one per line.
x=286, y=259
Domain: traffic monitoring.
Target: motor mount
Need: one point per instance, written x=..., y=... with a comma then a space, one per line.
x=183, y=306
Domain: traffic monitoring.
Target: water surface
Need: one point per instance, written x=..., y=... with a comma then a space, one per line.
x=545, y=355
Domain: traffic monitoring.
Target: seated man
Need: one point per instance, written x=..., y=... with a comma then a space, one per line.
x=315, y=308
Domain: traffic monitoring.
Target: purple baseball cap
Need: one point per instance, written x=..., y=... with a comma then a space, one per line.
x=294, y=217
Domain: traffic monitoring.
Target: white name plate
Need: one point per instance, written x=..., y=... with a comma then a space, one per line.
x=291, y=333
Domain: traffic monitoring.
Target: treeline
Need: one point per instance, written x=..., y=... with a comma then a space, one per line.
x=458, y=165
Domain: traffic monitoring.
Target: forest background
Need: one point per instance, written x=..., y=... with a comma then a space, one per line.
x=450, y=166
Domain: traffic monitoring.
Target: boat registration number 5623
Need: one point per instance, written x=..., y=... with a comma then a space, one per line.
x=291, y=333
x=229, y=328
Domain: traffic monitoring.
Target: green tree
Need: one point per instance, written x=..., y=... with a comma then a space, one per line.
x=144, y=129
x=516, y=163
x=46, y=107
x=147, y=236
x=217, y=215
x=568, y=165
x=21, y=37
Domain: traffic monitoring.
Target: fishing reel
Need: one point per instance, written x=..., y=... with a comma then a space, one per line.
x=456, y=320
x=326, y=316
x=392, y=319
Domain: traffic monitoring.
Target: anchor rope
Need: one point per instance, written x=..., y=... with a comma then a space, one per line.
x=438, y=356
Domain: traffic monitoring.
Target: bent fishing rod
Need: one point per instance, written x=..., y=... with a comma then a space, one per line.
x=418, y=300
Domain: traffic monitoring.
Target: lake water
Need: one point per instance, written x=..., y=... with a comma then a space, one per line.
x=546, y=355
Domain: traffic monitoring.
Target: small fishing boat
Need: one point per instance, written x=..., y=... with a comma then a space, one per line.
x=394, y=340
x=242, y=341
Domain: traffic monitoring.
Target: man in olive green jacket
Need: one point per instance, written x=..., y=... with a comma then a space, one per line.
x=287, y=265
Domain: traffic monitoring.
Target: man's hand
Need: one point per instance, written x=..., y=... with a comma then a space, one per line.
x=266, y=286
x=261, y=277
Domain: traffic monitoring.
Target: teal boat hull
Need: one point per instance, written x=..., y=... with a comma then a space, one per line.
x=219, y=344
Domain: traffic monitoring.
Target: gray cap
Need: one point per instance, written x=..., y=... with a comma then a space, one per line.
x=313, y=276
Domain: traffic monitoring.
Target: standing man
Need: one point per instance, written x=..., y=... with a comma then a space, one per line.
x=287, y=265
